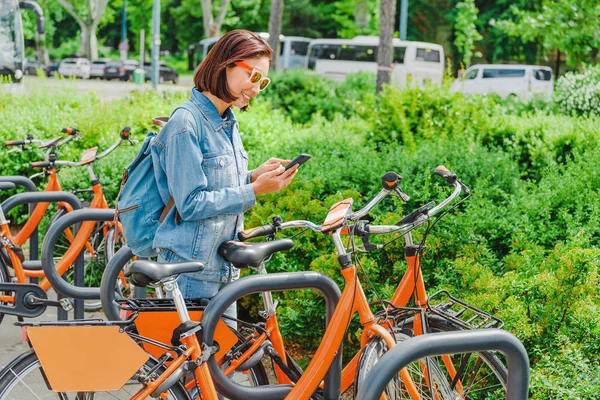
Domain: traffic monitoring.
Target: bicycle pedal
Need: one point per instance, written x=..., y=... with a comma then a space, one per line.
x=66, y=304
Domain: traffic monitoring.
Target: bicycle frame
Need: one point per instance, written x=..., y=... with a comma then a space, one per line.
x=354, y=301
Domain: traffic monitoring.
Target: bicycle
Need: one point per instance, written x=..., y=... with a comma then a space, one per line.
x=381, y=330
x=97, y=239
x=445, y=377
x=52, y=369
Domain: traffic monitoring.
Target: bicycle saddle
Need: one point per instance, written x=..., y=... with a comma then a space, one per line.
x=145, y=272
x=6, y=185
x=243, y=254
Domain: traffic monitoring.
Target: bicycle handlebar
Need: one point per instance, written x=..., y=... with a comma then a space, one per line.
x=416, y=218
x=21, y=142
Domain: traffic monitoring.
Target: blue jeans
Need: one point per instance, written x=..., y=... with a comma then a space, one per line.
x=196, y=289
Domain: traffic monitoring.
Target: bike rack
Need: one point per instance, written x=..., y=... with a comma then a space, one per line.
x=262, y=283
x=34, y=239
x=34, y=198
x=436, y=344
x=76, y=291
x=110, y=275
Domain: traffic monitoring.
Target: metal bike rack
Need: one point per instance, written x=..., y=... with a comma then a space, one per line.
x=34, y=239
x=76, y=291
x=109, y=277
x=274, y=283
x=33, y=198
x=436, y=344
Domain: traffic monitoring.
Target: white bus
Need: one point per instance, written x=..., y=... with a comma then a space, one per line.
x=292, y=52
x=419, y=62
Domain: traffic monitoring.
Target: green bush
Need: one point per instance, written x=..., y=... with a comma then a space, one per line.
x=525, y=246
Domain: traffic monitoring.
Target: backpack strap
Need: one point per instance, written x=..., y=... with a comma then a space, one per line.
x=192, y=108
x=170, y=204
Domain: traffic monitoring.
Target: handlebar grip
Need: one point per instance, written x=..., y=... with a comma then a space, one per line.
x=40, y=164
x=9, y=143
x=256, y=232
x=390, y=180
x=70, y=131
x=125, y=132
x=445, y=173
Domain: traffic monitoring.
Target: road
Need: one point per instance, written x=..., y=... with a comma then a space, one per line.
x=106, y=90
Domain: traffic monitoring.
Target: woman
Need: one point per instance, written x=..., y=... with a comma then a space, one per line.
x=201, y=163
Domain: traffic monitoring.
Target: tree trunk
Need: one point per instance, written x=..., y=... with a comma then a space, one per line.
x=275, y=31
x=362, y=17
x=207, y=17
x=88, y=21
x=212, y=27
x=385, y=51
x=89, y=42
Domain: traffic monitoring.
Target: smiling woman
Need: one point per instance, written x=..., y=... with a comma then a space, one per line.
x=201, y=166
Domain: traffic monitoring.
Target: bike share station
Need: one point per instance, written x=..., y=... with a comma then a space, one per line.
x=31, y=301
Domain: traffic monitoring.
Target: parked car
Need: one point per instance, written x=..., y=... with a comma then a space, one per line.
x=79, y=67
x=31, y=67
x=522, y=81
x=99, y=68
x=52, y=69
x=165, y=73
x=122, y=70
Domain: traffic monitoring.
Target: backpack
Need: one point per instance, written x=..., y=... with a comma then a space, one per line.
x=139, y=206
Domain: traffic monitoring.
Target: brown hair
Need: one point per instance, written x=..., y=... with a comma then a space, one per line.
x=237, y=45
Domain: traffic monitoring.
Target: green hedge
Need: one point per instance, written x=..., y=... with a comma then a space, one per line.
x=525, y=246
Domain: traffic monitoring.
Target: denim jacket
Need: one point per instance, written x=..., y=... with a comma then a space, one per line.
x=200, y=161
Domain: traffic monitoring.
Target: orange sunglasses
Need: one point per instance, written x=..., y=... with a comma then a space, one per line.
x=256, y=75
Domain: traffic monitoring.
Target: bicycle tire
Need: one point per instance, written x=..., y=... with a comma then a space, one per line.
x=4, y=278
x=395, y=390
x=487, y=374
x=24, y=378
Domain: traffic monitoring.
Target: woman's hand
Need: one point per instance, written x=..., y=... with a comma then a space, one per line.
x=274, y=180
x=267, y=166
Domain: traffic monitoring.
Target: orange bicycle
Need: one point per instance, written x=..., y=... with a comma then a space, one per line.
x=97, y=239
x=116, y=366
x=469, y=376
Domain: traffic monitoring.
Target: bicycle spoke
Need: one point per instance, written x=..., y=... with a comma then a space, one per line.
x=24, y=384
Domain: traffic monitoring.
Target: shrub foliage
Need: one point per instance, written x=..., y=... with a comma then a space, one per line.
x=525, y=246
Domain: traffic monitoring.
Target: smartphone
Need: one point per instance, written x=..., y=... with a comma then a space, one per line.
x=301, y=159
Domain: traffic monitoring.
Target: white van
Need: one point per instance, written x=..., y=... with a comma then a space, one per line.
x=522, y=81
x=419, y=62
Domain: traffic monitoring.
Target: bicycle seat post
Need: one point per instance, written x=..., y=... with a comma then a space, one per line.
x=267, y=297
x=170, y=286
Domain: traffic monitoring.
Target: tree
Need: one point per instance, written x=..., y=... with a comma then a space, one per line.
x=212, y=26
x=385, y=51
x=569, y=26
x=465, y=30
x=88, y=14
x=275, y=30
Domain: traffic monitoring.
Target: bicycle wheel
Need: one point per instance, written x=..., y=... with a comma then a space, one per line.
x=24, y=379
x=396, y=390
x=479, y=375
